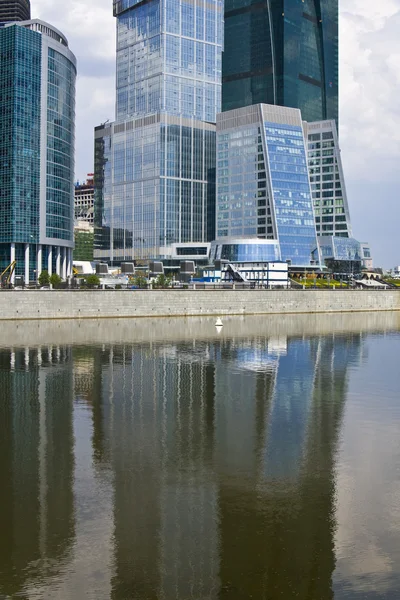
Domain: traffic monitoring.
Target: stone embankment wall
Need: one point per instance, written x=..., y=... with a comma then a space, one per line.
x=43, y=304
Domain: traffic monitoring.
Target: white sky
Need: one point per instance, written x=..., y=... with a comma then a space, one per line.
x=369, y=103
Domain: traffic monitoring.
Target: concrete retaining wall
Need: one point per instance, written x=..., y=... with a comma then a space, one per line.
x=42, y=304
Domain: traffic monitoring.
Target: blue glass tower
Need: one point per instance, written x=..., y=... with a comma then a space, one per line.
x=263, y=187
x=37, y=145
x=282, y=52
x=155, y=166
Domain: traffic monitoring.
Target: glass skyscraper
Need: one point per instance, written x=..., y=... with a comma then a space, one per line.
x=14, y=10
x=263, y=187
x=155, y=166
x=328, y=186
x=282, y=52
x=37, y=147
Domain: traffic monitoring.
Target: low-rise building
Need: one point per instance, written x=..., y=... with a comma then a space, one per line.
x=341, y=255
x=248, y=261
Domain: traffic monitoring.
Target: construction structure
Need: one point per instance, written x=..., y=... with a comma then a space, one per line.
x=84, y=200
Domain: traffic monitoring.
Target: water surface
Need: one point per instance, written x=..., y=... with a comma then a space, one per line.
x=164, y=460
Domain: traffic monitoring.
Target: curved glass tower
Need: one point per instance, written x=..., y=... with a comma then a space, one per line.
x=37, y=149
x=282, y=52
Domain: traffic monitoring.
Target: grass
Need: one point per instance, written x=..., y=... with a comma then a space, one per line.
x=395, y=282
x=320, y=283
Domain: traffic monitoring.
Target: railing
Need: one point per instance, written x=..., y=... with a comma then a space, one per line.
x=203, y=287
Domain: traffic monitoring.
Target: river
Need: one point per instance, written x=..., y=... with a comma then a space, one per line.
x=168, y=460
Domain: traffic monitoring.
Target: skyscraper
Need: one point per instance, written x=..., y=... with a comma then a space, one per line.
x=263, y=188
x=339, y=250
x=282, y=52
x=332, y=216
x=14, y=10
x=37, y=149
x=155, y=166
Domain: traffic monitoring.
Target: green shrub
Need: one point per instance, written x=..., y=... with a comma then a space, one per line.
x=55, y=279
x=92, y=281
x=162, y=281
x=44, y=278
x=140, y=281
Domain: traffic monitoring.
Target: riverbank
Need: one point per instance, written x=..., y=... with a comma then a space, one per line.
x=60, y=304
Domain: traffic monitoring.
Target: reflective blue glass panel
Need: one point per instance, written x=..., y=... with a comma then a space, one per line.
x=293, y=208
x=20, y=85
x=248, y=252
x=60, y=146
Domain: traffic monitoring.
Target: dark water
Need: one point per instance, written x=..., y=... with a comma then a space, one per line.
x=197, y=465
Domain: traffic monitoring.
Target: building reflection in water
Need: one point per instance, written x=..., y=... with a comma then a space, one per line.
x=223, y=459
x=36, y=465
x=221, y=455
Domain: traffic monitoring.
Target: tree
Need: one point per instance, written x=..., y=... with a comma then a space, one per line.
x=55, y=279
x=44, y=278
x=92, y=281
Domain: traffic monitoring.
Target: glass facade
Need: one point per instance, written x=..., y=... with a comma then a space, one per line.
x=340, y=248
x=343, y=256
x=37, y=121
x=169, y=58
x=283, y=52
x=102, y=188
x=20, y=85
x=243, y=201
x=154, y=186
x=60, y=145
x=155, y=166
x=291, y=193
x=327, y=181
x=246, y=251
x=263, y=187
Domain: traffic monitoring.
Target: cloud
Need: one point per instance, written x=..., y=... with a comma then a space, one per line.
x=370, y=120
x=89, y=26
x=369, y=87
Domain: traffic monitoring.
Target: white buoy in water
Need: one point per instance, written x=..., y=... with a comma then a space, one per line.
x=218, y=322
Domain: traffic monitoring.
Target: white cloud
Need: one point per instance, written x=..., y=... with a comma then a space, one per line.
x=90, y=28
x=370, y=121
x=369, y=88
